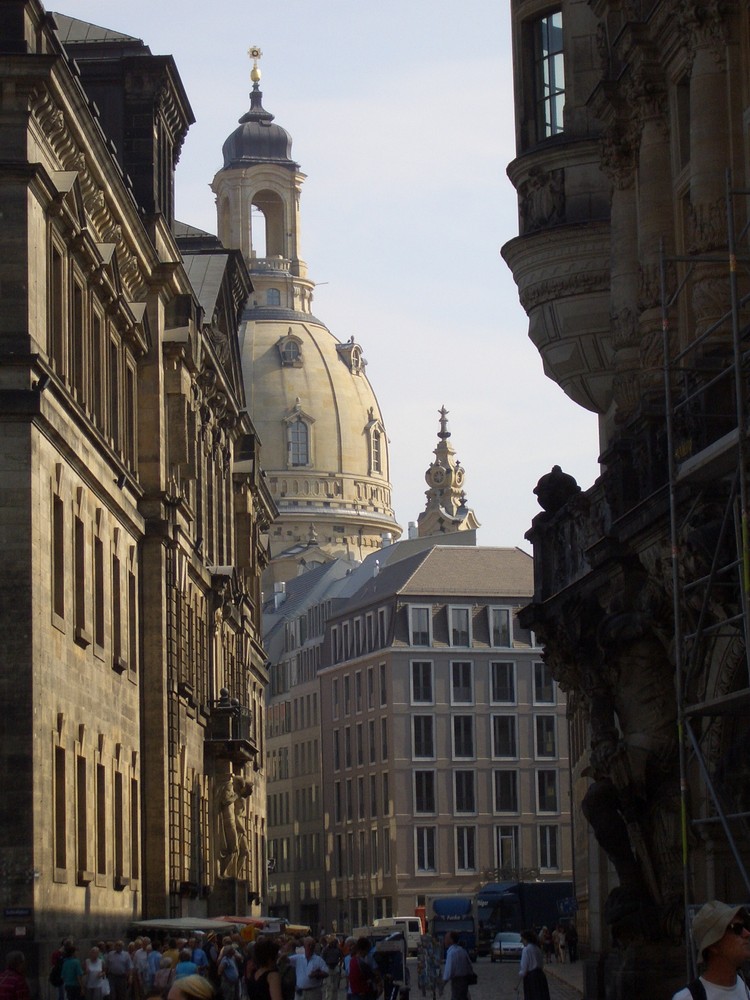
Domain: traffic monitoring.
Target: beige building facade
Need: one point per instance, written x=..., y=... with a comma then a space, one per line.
x=131, y=505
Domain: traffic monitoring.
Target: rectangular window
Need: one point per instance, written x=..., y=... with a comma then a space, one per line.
x=459, y=626
x=383, y=688
x=98, y=592
x=347, y=747
x=546, y=784
x=504, y=736
x=507, y=857
x=506, y=791
x=425, y=837
x=77, y=347
x=424, y=792
x=549, y=69
x=371, y=740
x=119, y=829
x=132, y=622
x=347, y=695
x=463, y=736
x=544, y=689
x=336, y=750
x=97, y=370
x=464, y=792
x=421, y=682
x=382, y=627
x=135, y=830
x=373, y=852
x=101, y=821
x=503, y=683
x=466, y=849
x=420, y=626
x=80, y=589
x=337, y=801
x=384, y=739
x=545, y=731
x=349, y=802
x=423, y=736
x=386, y=796
x=57, y=313
x=373, y=796
x=82, y=829
x=58, y=557
x=114, y=394
x=361, y=798
x=61, y=819
x=548, y=852
x=500, y=635
x=386, y=842
x=131, y=405
x=360, y=745
x=370, y=688
x=335, y=697
x=117, y=660
x=358, y=691
x=462, y=688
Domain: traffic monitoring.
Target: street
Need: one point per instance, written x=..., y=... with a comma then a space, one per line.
x=497, y=981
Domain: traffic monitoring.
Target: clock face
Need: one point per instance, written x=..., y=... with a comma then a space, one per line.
x=459, y=477
x=438, y=476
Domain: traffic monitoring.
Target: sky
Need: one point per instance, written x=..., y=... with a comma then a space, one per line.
x=401, y=115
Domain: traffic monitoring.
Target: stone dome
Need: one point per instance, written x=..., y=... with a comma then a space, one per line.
x=324, y=446
x=257, y=139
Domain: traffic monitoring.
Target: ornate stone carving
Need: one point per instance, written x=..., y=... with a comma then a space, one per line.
x=231, y=795
x=704, y=25
x=542, y=199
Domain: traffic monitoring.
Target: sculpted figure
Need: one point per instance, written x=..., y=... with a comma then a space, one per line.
x=230, y=804
x=633, y=803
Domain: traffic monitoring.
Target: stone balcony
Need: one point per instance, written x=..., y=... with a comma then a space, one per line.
x=230, y=732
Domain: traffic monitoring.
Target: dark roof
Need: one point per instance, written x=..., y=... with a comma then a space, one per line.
x=206, y=273
x=258, y=140
x=72, y=31
x=181, y=230
x=258, y=313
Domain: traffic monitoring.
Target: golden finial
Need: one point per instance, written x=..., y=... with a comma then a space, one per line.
x=255, y=54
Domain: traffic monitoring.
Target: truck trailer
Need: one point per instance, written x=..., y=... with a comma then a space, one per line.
x=453, y=913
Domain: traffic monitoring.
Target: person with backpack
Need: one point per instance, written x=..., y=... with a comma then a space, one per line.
x=721, y=934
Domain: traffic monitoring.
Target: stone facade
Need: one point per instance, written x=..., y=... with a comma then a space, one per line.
x=132, y=509
x=628, y=119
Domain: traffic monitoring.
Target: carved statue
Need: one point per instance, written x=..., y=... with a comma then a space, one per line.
x=633, y=803
x=231, y=794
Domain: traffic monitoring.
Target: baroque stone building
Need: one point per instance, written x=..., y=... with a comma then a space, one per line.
x=631, y=136
x=132, y=507
x=325, y=446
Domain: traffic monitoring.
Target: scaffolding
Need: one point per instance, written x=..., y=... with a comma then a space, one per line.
x=707, y=398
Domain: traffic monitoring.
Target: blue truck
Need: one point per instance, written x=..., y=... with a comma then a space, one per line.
x=453, y=913
x=514, y=906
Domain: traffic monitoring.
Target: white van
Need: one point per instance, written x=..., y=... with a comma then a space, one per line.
x=411, y=927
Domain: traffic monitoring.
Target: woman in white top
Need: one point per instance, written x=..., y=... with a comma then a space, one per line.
x=535, y=985
x=93, y=975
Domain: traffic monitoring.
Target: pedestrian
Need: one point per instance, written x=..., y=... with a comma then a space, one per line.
x=186, y=966
x=721, y=934
x=362, y=975
x=72, y=973
x=531, y=971
x=310, y=971
x=572, y=936
x=546, y=943
x=164, y=976
x=458, y=969
x=331, y=955
x=265, y=982
x=119, y=971
x=229, y=974
x=13, y=985
x=93, y=975
x=191, y=988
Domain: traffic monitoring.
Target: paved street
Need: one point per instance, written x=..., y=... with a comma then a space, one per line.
x=498, y=981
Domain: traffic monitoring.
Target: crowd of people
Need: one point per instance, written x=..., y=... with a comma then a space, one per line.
x=206, y=967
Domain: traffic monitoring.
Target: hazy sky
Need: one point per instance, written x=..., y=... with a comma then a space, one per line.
x=401, y=114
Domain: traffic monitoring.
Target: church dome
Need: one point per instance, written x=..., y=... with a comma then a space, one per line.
x=258, y=139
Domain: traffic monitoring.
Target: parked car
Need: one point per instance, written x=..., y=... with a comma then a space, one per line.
x=507, y=944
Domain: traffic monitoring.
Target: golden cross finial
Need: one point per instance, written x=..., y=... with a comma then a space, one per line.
x=255, y=54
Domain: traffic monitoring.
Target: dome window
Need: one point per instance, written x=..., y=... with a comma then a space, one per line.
x=273, y=297
x=298, y=437
x=351, y=354
x=290, y=349
x=376, y=444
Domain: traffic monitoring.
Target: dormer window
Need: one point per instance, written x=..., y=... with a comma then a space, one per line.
x=351, y=354
x=376, y=444
x=290, y=349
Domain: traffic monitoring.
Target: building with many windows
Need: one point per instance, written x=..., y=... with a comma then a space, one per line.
x=444, y=740
x=132, y=508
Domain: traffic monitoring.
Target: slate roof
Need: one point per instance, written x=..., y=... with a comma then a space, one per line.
x=206, y=272
x=70, y=30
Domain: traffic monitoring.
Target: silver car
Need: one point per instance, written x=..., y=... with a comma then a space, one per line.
x=507, y=944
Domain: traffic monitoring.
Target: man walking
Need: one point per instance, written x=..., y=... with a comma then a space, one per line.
x=458, y=968
x=721, y=934
x=310, y=971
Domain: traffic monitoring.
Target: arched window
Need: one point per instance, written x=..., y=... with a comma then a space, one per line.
x=377, y=465
x=290, y=351
x=298, y=442
x=273, y=297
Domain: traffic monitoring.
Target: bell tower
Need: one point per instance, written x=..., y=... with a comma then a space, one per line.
x=258, y=204
x=446, y=509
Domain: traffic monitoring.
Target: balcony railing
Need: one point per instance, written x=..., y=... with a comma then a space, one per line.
x=230, y=733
